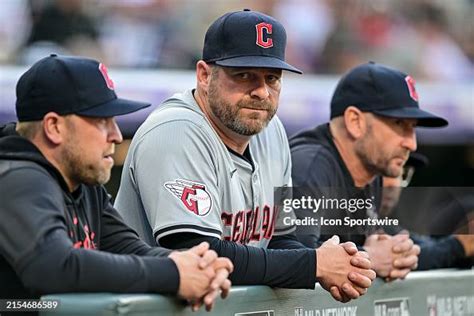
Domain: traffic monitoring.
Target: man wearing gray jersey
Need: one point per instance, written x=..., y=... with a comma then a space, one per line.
x=222, y=152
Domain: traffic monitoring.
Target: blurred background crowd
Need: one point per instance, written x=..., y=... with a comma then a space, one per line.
x=144, y=42
x=434, y=39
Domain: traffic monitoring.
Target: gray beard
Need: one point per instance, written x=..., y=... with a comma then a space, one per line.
x=229, y=115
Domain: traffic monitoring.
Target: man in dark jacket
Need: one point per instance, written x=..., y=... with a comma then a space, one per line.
x=374, y=112
x=59, y=232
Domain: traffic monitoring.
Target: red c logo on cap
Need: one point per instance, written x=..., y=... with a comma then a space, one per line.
x=411, y=88
x=105, y=74
x=261, y=27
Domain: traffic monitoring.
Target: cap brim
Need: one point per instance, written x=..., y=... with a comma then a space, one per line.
x=114, y=108
x=425, y=119
x=257, y=62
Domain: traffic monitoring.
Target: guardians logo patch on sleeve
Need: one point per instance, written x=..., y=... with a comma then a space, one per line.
x=192, y=194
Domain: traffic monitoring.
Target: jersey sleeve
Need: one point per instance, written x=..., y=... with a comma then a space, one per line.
x=258, y=266
x=175, y=174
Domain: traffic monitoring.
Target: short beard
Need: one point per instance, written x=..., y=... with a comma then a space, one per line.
x=228, y=114
x=371, y=159
x=82, y=172
x=79, y=170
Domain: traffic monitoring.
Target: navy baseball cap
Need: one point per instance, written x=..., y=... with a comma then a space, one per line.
x=383, y=91
x=69, y=85
x=246, y=39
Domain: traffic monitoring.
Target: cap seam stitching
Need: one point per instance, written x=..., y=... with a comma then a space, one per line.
x=70, y=77
x=373, y=83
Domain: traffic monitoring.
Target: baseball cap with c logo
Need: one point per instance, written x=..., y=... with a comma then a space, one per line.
x=246, y=39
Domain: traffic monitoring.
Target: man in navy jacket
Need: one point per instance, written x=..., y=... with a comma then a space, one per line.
x=374, y=112
x=59, y=231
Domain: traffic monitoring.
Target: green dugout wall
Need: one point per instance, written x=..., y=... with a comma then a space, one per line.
x=433, y=293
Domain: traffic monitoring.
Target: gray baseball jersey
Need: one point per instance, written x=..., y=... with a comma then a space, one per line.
x=180, y=177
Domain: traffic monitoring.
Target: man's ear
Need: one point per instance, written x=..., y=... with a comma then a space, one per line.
x=355, y=121
x=203, y=75
x=54, y=128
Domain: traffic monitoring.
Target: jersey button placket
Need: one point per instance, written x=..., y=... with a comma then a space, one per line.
x=256, y=189
x=256, y=186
